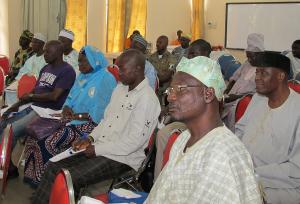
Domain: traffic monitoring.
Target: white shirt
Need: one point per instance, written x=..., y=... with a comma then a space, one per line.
x=129, y=120
x=32, y=66
x=216, y=169
x=72, y=59
x=244, y=78
x=272, y=136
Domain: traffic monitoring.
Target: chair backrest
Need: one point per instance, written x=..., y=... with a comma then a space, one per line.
x=242, y=106
x=25, y=85
x=168, y=147
x=5, y=152
x=114, y=71
x=4, y=63
x=62, y=191
x=295, y=85
x=2, y=80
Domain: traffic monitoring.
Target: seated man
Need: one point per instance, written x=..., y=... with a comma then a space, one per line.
x=177, y=40
x=20, y=56
x=51, y=91
x=270, y=130
x=163, y=62
x=199, y=47
x=207, y=163
x=128, y=41
x=243, y=80
x=294, y=56
x=139, y=43
x=181, y=51
x=66, y=37
x=34, y=64
x=117, y=144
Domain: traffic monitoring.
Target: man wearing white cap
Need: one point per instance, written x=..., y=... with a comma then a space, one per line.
x=207, y=163
x=243, y=80
x=66, y=37
x=34, y=64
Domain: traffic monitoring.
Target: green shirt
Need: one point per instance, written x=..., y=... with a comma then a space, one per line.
x=163, y=64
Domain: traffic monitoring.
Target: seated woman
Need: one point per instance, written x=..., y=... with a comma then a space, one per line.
x=83, y=109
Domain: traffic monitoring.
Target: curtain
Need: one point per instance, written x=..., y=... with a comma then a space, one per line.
x=76, y=21
x=197, y=19
x=115, y=25
x=138, y=17
x=44, y=16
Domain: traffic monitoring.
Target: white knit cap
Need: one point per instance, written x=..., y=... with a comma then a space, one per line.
x=40, y=37
x=255, y=42
x=67, y=34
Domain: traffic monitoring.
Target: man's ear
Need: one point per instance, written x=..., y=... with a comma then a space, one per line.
x=209, y=94
x=281, y=76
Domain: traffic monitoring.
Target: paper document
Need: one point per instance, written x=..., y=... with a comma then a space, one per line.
x=68, y=153
x=89, y=200
x=47, y=112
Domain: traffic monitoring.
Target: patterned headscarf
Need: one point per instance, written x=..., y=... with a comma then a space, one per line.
x=140, y=39
x=207, y=71
x=95, y=57
x=27, y=34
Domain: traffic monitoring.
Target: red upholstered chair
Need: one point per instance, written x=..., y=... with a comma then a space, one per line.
x=62, y=191
x=295, y=85
x=25, y=85
x=5, y=152
x=4, y=63
x=102, y=197
x=168, y=147
x=2, y=81
x=114, y=71
x=242, y=106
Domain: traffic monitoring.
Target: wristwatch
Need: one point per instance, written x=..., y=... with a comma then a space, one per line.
x=80, y=116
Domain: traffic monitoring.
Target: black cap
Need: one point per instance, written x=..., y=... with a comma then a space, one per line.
x=276, y=60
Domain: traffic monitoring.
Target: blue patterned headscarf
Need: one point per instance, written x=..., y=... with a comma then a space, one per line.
x=95, y=57
x=91, y=91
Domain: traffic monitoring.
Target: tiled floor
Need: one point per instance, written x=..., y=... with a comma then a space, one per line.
x=19, y=193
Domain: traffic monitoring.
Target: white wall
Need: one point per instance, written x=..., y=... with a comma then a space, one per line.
x=215, y=11
x=4, y=44
x=165, y=17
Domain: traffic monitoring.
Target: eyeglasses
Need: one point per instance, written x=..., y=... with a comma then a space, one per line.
x=178, y=89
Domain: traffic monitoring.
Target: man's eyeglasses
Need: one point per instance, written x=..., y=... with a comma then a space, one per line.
x=178, y=89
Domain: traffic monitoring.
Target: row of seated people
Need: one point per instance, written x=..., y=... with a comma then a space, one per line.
x=279, y=192
x=208, y=162
x=109, y=124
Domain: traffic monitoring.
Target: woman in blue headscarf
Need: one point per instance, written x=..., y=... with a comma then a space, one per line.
x=83, y=110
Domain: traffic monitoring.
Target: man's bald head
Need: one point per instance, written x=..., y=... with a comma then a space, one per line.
x=53, y=51
x=135, y=56
x=131, y=65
